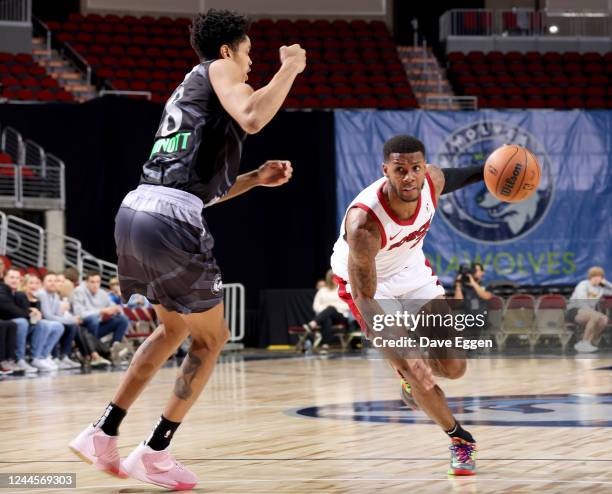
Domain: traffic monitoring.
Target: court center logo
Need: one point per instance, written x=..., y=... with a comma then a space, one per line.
x=481, y=217
x=558, y=410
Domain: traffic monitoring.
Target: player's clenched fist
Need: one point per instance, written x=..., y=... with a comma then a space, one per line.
x=294, y=55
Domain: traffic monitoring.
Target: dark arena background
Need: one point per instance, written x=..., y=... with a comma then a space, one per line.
x=300, y=400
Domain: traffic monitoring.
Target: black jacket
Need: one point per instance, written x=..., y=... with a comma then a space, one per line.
x=13, y=305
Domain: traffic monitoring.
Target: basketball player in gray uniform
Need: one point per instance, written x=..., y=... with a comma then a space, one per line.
x=164, y=246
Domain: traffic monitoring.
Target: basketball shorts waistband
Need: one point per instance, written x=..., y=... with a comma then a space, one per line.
x=172, y=203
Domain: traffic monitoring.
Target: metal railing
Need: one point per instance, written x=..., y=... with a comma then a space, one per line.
x=36, y=180
x=15, y=10
x=64, y=248
x=106, y=269
x=11, y=142
x=26, y=186
x=25, y=242
x=524, y=22
x=116, y=92
x=78, y=61
x=3, y=233
x=233, y=300
x=439, y=102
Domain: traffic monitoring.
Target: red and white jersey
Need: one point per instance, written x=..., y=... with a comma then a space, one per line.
x=401, y=246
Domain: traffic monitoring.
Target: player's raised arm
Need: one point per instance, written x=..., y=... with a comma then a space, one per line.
x=447, y=180
x=254, y=109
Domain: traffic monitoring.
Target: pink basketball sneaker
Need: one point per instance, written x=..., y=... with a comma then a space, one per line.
x=94, y=446
x=159, y=468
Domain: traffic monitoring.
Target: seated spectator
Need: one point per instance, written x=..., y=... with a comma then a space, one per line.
x=98, y=314
x=329, y=310
x=66, y=282
x=91, y=349
x=54, y=309
x=8, y=343
x=51, y=329
x=115, y=291
x=14, y=306
x=582, y=308
x=136, y=300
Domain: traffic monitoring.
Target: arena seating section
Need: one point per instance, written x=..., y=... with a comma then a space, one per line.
x=350, y=64
x=23, y=79
x=533, y=80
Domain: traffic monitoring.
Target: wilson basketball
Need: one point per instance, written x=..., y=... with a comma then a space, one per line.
x=512, y=173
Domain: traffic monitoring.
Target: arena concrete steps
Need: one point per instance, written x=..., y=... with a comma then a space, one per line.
x=63, y=70
x=428, y=79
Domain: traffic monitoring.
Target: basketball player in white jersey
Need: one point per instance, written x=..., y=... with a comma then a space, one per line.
x=379, y=256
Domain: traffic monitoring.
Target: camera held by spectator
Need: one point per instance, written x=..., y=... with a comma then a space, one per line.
x=468, y=286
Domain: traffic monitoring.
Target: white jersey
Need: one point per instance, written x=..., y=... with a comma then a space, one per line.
x=401, y=246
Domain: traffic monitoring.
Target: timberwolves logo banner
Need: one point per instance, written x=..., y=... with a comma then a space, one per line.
x=552, y=237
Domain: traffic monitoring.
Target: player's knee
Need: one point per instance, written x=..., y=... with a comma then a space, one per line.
x=210, y=341
x=454, y=369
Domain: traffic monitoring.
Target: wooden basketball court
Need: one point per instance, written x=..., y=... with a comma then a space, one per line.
x=268, y=425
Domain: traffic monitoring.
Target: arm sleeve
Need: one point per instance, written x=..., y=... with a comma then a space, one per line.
x=456, y=178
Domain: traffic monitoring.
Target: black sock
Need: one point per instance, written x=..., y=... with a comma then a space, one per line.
x=162, y=434
x=111, y=419
x=459, y=431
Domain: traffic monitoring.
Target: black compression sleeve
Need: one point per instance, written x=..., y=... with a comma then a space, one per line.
x=455, y=178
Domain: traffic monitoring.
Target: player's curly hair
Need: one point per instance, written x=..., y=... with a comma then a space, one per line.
x=402, y=144
x=210, y=31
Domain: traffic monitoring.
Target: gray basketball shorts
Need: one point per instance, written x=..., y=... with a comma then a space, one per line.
x=164, y=250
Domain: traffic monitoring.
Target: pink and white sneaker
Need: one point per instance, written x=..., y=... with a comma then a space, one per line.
x=96, y=447
x=159, y=468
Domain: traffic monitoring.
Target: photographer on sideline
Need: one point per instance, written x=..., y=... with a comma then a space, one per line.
x=468, y=288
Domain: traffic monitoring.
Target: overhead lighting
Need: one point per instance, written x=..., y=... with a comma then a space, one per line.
x=553, y=29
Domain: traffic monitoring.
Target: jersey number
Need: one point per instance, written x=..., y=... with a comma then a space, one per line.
x=174, y=115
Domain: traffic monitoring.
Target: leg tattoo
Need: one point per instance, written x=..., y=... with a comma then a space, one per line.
x=182, y=386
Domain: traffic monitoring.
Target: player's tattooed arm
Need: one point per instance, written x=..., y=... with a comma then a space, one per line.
x=363, y=238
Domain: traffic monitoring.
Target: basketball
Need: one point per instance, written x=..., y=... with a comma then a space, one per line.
x=512, y=173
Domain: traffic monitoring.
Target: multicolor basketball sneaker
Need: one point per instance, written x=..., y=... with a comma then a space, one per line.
x=463, y=457
x=406, y=395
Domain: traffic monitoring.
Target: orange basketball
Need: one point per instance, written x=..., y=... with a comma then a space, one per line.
x=512, y=173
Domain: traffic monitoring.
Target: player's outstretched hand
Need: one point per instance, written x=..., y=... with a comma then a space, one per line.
x=274, y=173
x=294, y=55
x=421, y=372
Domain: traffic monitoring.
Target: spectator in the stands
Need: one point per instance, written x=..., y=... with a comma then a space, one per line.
x=66, y=283
x=136, y=300
x=52, y=329
x=329, y=310
x=99, y=315
x=14, y=305
x=55, y=309
x=8, y=343
x=582, y=308
x=114, y=291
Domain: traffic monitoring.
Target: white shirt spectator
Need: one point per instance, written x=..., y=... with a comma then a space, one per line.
x=326, y=297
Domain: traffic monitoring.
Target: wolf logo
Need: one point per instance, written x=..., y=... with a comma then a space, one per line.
x=479, y=216
x=516, y=215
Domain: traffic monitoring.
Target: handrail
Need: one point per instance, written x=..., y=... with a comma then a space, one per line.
x=117, y=92
x=77, y=59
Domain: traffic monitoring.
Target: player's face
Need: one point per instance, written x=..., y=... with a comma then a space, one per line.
x=241, y=56
x=406, y=174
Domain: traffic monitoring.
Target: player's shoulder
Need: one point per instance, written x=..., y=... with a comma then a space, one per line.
x=437, y=177
x=362, y=225
x=223, y=68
